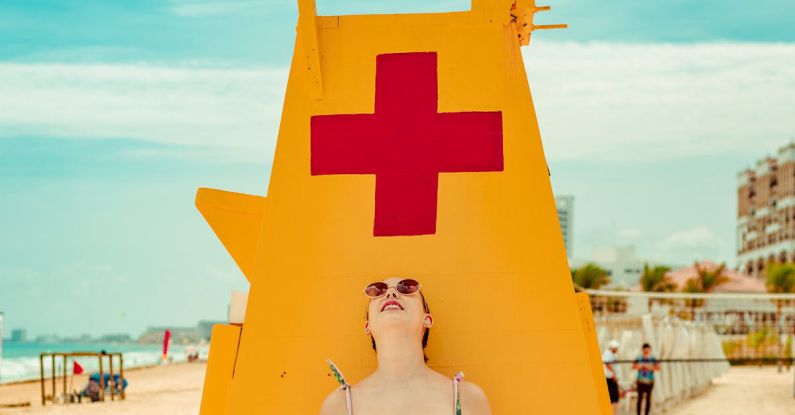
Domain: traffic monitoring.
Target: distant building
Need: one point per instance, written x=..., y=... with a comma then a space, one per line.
x=736, y=282
x=19, y=335
x=205, y=328
x=179, y=335
x=116, y=338
x=766, y=213
x=620, y=262
x=47, y=339
x=565, y=206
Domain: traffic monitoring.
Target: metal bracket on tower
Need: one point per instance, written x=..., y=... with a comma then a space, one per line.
x=522, y=14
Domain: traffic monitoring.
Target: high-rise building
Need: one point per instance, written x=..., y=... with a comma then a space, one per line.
x=622, y=265
x=565, y=206
x=19, y=335
x=766, y=213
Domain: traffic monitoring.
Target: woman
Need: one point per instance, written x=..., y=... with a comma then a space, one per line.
x=399, y=321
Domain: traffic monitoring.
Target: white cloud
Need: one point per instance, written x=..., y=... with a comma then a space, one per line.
x=619, y=102
x=695, y=243
x=629, y=233
x=237, y=110
x=601, y=101
x=697, y=237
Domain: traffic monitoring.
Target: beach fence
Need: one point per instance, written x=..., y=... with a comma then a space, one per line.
x=112, y=381
x=691, y=354
x=696, y=336
x=752, y=328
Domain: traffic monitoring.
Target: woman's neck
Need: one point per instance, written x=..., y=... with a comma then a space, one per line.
x=400, y=357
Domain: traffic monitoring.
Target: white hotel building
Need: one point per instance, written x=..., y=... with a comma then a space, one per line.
x=766, y=213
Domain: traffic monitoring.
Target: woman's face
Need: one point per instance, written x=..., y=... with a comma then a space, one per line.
x=394, y=311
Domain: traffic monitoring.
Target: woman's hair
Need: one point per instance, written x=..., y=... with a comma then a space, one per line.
x=424, y=335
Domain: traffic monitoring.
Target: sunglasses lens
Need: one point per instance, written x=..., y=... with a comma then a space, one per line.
x=408, y=287
x=376, y=289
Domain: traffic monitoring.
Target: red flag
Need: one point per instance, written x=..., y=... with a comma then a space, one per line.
x=166, y=340
x=76, y=368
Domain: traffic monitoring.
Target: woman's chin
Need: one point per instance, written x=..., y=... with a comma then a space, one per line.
x=394, y=320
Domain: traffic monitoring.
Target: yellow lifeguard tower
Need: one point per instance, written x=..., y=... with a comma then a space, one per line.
x=408, y=146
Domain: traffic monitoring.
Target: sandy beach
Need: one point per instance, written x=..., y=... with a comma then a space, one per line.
x=172, y=390
x=744, y=391
x=176, y=390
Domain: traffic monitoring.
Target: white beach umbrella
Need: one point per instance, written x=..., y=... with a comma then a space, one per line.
x=680, y=351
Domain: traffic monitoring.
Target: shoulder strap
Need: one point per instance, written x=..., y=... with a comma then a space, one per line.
x=457, y=391
x=348, y=399
x=343, y=385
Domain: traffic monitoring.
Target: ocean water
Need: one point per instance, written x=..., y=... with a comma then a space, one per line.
x=21, y=360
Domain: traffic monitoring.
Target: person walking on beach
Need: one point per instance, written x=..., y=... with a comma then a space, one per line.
x=609, y=359
x=646, y=365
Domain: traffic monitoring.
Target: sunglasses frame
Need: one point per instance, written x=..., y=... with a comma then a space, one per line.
x=419, y=287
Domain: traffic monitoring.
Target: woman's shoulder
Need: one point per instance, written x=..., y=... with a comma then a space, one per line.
x=474, y=399
x=334, y=401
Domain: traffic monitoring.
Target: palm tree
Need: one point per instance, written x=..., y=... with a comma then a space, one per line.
x=692, y=286
x=706, y=280
x=780, y=280
x=590, y=276
x=656, y=280
x=711, y=278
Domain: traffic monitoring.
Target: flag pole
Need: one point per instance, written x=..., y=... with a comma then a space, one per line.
x=166, y=340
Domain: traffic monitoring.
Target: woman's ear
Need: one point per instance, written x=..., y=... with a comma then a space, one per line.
x=428, y=321
x=367, y=327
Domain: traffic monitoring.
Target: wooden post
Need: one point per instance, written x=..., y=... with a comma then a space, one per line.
x=41, y=372
x=101, y=380
x=122, y=394
x=111, y=381
x=64, y=378
x=52, y=359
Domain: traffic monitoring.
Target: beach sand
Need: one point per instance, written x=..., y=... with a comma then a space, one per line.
x=744, y=391
x=173, y=390
x=176, y=390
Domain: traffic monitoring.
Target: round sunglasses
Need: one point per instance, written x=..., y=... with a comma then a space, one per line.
x=404, y=287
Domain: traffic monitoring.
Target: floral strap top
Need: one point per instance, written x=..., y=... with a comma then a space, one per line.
x=344, y=385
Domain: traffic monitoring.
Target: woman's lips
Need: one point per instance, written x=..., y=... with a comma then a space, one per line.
x=391, y=305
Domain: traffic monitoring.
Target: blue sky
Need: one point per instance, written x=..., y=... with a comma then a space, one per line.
x=113, y=113
x=258, y=32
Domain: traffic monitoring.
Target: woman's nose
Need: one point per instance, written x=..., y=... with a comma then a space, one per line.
x=391, y=291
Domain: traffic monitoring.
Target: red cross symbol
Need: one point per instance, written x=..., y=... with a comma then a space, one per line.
x=406, y=143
